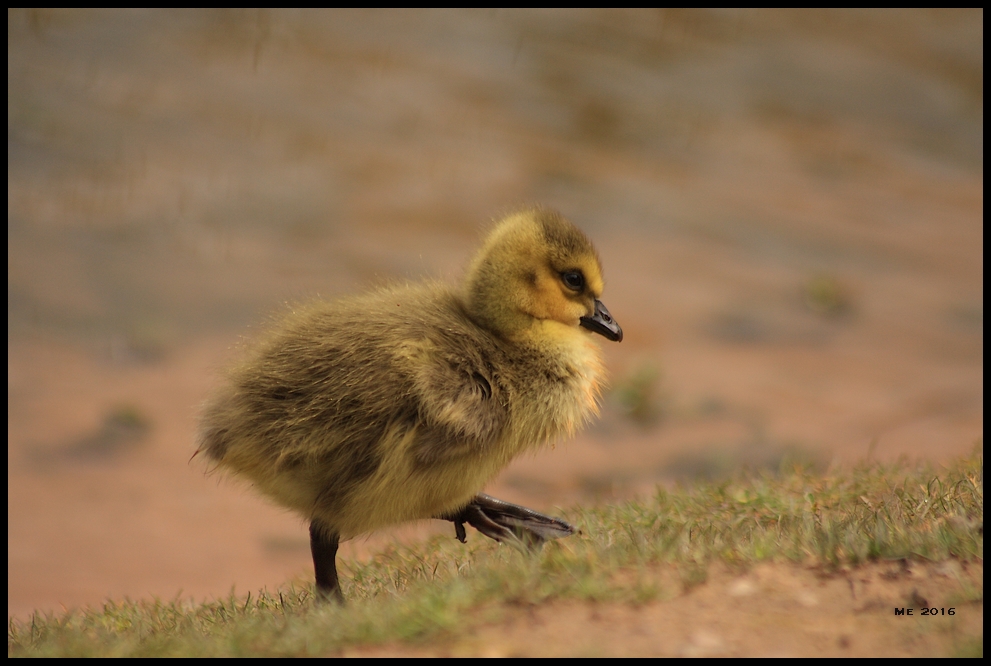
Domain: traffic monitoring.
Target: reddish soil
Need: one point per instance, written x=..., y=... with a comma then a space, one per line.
x=771, y=611
x=788, y=206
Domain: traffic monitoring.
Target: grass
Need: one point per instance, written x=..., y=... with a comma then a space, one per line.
x=442, y=588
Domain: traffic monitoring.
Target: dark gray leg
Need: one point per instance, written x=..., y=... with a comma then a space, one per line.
x=323, y=547
x=512, y=523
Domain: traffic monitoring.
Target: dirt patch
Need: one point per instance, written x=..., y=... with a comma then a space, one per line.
x=774, y=610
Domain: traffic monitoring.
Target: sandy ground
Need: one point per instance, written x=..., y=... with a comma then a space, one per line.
x=788, y=207
x=770, y=611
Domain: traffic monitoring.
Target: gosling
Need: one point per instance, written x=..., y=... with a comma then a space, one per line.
x=401, y=404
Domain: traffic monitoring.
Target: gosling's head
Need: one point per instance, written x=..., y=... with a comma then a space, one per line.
x=537, y=270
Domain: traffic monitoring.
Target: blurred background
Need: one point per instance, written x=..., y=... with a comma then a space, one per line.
x=788, y=206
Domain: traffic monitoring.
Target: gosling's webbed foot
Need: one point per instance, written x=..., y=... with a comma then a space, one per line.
x=511, y=523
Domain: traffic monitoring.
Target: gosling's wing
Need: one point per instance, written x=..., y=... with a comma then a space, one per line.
x=462, y=406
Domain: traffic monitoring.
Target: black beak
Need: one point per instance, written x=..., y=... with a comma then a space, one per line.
x=603, y=323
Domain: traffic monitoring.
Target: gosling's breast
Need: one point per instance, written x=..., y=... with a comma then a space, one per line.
x=559, y=389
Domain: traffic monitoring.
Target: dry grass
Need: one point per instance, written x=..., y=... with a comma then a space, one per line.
x=440, y=589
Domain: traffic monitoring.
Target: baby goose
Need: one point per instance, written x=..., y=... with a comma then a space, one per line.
x=402, y=403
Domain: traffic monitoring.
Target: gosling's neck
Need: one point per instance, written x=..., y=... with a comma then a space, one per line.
x=488, y=298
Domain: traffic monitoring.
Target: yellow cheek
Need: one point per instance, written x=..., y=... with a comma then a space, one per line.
x=547, y=302
x=595, y=284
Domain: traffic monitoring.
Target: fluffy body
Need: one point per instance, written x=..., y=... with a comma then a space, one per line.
x=402, y=403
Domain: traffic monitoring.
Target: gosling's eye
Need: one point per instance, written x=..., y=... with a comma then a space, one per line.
x=574, y=280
